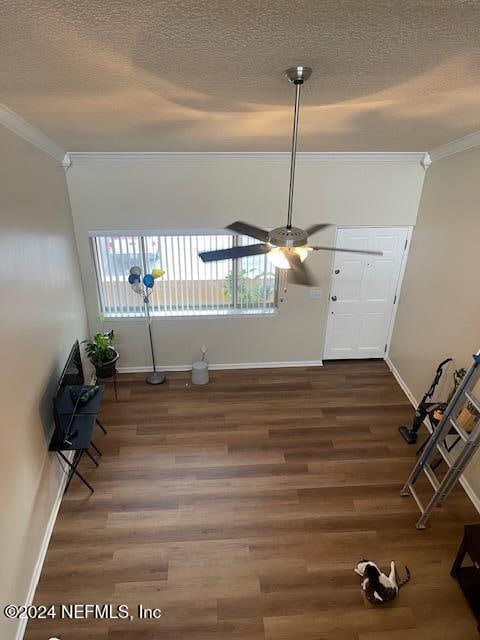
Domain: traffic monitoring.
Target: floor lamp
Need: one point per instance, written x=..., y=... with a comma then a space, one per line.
x=144, y=287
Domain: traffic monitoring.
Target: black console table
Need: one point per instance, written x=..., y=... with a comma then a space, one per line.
x=74, y=424
x=469, y=577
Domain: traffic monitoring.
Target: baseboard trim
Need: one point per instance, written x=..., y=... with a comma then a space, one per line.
x=401, y=382
x=22, y=625
x=226, y=366
x=470, y=493
x=475, y=499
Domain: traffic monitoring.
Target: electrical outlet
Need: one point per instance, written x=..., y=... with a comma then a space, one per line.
x=315, y=294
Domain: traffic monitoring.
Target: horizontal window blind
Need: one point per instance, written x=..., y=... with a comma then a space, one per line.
x=189, y=286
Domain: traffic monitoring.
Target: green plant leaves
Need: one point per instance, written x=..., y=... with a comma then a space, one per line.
x=100, y=349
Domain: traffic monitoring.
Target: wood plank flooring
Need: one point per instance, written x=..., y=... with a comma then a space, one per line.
x=240, y=509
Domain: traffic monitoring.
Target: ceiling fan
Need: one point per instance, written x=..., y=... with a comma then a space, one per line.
x=286, y=246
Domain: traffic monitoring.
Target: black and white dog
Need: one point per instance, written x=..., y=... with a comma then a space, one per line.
x=380, y=588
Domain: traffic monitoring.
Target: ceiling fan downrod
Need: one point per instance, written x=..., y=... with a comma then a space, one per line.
x=297, y=76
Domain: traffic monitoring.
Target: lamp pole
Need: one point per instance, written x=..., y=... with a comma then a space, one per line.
x=155, y=377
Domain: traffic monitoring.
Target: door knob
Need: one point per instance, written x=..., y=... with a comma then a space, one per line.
x=334, y=298
x=337, y=271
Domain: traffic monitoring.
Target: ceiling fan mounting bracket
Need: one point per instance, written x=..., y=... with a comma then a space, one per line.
x=298, y=74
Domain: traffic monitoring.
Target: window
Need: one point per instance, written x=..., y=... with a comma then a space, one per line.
x=189, y=286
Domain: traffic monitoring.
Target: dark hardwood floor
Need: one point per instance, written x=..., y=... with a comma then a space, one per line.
x=240, y=509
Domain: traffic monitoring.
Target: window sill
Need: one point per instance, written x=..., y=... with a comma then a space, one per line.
x=198, y=314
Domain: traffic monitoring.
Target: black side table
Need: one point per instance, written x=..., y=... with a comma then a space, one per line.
x=74, y=426
x=469, y=577
x=110, y=379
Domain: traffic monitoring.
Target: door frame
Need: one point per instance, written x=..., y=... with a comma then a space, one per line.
x=398, y=289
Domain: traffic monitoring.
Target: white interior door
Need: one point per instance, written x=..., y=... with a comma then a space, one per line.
x=363, y=292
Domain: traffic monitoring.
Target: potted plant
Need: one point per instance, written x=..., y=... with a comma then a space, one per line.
x=458, y=376
x=102, y=354
x=468, y=416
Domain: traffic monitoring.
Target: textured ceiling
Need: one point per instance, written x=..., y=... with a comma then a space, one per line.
x=196, y=75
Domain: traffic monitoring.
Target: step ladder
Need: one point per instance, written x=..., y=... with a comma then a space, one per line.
x=457, y=465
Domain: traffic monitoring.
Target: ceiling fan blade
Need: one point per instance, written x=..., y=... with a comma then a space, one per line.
x=316, y=227
x=298, y=272
x=370, y=253
x=234, y=252
x=246, y=229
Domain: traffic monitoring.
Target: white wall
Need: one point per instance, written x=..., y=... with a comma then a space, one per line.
x=209, y=193
x=439, y=309
x=42, y=313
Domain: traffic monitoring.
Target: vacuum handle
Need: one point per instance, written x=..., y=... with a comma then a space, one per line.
x=442, y=364
x=438, y=375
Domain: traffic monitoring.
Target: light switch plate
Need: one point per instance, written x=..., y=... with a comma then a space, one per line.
x=315, y=294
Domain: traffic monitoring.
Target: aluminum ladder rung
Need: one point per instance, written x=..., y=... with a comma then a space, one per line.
x=461, y=432
x=445, y=455
x=471, y=398
x=429, y=472
x=414, y=494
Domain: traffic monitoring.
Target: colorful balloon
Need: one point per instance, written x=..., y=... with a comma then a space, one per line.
x=148, y=280
x=133, y=277
x=136, y=270
x=158, y=273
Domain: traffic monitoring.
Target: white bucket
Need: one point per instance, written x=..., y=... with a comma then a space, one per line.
x=200, y=372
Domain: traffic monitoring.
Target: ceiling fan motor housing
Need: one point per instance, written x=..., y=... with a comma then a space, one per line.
x=288, y=237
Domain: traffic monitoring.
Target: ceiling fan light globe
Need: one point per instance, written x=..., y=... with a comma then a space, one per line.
x=278, y=259
x=302, y=252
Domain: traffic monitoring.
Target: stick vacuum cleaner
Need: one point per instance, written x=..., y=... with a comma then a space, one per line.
x=410, y=435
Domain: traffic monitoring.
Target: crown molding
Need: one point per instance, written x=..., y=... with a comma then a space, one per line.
x=274, y=156
x=28, y=132
x=455, y=146
x=18, y=125
x=426, y=161
x=66, y=161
